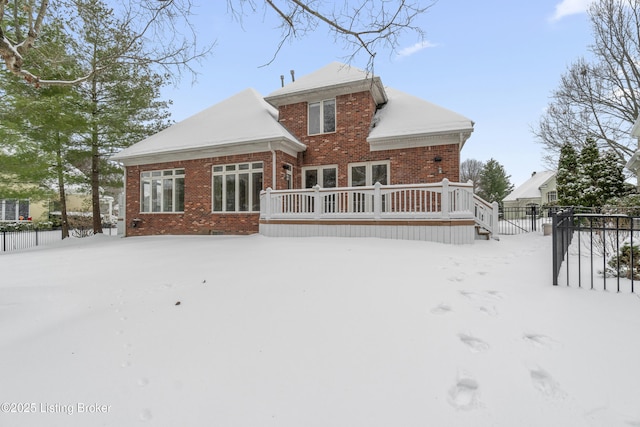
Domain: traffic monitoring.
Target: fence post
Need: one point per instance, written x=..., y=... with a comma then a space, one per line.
x=554, y=246
x=444, y=199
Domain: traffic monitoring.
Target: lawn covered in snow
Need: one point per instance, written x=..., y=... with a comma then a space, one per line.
x=256, y=331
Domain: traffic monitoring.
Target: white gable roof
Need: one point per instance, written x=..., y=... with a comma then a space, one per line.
x=406, y=116
x=531, y=188
x=241, y=120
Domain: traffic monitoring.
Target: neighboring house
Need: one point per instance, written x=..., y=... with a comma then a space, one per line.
x=78, y=201
x=537, y=191
x=336, y=127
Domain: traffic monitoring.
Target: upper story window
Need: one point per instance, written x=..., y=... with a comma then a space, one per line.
x=322, y=117
x=162, y=191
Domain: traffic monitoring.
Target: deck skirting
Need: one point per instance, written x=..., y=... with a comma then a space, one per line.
x=453, y=231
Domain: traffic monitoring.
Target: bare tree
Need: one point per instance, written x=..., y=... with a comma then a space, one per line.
x=363, y=26
x=599, y=99
x=470, y=170
x=155, y=26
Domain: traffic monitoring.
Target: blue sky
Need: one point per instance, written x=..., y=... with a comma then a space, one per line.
x=493, y=61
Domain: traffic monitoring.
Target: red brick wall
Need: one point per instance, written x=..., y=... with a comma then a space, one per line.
x=198, y=217
x=348, y=144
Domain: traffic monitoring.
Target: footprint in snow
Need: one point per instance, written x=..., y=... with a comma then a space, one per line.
x=486, y=296
x=489, y=310
x=441, y=309
x=539, y=340
x=145, y=415
x=545, y=383
x=464, y=394
x=475, y=345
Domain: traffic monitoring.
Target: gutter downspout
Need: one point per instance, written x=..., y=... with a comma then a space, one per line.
x=273, y=167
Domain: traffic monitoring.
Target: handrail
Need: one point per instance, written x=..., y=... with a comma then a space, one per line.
x=400, y=201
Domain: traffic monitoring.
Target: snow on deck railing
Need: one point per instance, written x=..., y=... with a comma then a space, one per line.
x=411, y=201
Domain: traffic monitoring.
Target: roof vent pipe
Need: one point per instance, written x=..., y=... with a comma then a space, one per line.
x=282, y=80
x=293, y=75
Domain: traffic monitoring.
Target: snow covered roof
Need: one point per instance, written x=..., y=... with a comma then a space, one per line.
x=335, y=78
x=223, y=126
x=406, y=116
x=531, y=187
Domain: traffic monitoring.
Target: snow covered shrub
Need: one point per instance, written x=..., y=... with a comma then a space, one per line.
x=626, y=263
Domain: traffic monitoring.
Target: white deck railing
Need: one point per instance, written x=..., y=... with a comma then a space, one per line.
x=443, y=200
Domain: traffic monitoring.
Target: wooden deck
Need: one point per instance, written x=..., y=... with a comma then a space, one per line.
x=442, y=212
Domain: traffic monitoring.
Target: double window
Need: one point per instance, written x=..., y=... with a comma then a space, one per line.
x=324, y=176
x=14, y=210
x=162, y=191
x=361, y=174
x=236, y=188
x=322, y=117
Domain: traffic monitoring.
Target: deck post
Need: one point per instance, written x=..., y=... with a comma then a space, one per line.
x=267, y=203
x=317, y=202
x=444, y=199
x=377, y=200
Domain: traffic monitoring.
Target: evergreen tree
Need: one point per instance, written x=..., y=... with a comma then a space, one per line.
x=120, y=99
x=39, y=127
x=589, y=173
x=566, y=178
x=611, y=178
x=494, y=182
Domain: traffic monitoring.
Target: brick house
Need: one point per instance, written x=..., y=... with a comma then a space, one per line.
x=336, y=127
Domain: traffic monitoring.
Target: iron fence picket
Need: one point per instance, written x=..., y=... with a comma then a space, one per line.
x=604, y=236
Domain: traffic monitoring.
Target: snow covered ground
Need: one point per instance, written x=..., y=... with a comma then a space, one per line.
x=256, y=331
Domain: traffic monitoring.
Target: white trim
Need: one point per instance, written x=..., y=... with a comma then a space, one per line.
x=230, y=149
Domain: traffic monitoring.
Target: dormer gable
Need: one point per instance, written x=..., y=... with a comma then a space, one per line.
x=333, y=80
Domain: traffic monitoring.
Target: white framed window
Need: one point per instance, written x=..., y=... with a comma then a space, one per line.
x=368, y=173
x=162, y=191
x=236, y=187
x=322, y=117
x=552, y=196
x=14, y=209
x=324, y=176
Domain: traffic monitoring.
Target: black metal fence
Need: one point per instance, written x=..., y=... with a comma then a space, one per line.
x=14, y=240
x=596, y=251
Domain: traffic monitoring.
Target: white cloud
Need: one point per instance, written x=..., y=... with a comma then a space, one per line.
x=570, y=7
x=408, y=51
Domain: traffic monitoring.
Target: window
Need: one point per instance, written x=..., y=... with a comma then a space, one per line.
x=322, y=117
x=162, y=191
x=361, y=174
x=552, y=196
x=14, y=209
x=367, y=174
x=236, y=188
x=324, y=176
